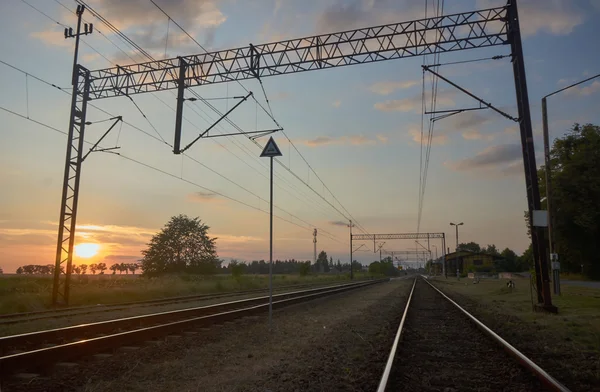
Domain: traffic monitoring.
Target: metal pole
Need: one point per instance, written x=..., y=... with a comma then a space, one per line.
x=179, y=111
x=444, y=254
x=271, y=253
x=548, y=167
x=530, y=166
x=351, y=269
x=457, y=271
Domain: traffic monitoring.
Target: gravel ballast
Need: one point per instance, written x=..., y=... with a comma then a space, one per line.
x=442, y=350
x=335, y=343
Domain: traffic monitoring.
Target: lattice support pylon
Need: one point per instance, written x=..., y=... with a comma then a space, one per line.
x=70, y=192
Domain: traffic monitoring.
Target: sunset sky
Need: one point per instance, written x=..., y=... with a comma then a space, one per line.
x=358, y=127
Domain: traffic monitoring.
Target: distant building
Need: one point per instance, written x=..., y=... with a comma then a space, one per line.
x=470, y=262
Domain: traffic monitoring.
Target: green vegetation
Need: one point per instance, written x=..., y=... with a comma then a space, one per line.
x=183, y=245
x=575, y=179
x=22, y=293
x=384, y=267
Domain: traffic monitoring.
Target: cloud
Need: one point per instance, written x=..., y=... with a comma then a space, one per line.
x=438, y=139
x=558, y=17
x=584, y=90
x=52, y=37
x=353, y=140
x=491, y=157
x=337, y=103
x=146, y=25
x=469, y=124
x=203, y=197
x=121, y=258
x=134, y=13
x=338, y=223
x=413, y=104
x=235, y=239
x=595, y=4
x=342, y=16
x=280, y=96
x=386, y=88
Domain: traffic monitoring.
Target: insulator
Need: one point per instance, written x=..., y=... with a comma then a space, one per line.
x=66, y=32
x=70, y=31
x=91, y=28
x=85, y=28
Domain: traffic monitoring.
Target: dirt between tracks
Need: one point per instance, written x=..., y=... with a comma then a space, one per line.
x=336, y=343
x=442, y=350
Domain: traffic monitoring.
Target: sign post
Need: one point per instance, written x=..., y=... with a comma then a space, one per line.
x=271, y=150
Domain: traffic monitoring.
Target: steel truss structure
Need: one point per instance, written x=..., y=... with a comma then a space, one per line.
x=403, y=236
x=448, y=33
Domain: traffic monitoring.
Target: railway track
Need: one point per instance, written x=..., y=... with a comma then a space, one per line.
x=439, y=346
x=14, y=318
x=38, y=351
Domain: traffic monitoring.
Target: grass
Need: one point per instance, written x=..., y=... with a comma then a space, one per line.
x=567, y=343
x=579, y=308
x=567, y=276
x=20, y=293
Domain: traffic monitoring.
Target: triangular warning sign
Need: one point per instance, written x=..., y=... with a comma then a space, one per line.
x=271, y=149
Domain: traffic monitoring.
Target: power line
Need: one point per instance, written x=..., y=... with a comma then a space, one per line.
x=271, y=115
x=64, y=90
x=167, y=173
x=187, y=156
x=146, y=54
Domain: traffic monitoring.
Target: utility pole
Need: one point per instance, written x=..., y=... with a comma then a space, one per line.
x=72, y=176
x=529, y=163
x=456, y=225
x=315, y=246
x=548, y=169
x=351, y=250
x=381, y=246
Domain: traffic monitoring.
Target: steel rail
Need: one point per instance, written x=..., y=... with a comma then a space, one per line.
x=390, y=361
x=12, y=318
x=540, y=373
x=90, y=329
x=41, y=358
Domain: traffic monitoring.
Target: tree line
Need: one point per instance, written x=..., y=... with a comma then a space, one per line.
x=324, y=264
x=575, y=181
x=81, y=269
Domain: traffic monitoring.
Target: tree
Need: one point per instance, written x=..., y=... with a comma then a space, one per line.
x=133, y=267
x=237, y=269
x=183, y=245
x=304, y=268
x=491, y=250
x=339, y=265
x=322, y=263
x=20, y=270
x=471, y=247
x=101, y=268
x=83, y=268
x=93, y=268
x=114, y=268
x=575, y=176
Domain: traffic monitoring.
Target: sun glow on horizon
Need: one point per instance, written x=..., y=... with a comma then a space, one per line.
x=86, y=250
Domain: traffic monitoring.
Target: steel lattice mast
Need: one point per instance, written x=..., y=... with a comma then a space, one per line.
x=448, y=33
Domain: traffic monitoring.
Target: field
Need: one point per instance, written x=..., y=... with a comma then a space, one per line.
x=567, y=344
x=19, y=293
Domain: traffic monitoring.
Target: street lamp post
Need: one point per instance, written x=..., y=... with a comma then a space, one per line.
x=548, y=170
x=351, y=251
x=456, y=225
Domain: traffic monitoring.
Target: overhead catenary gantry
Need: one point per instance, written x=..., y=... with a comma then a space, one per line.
x=447, y=33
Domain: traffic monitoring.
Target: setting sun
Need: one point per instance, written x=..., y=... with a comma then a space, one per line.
x=87, y=250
